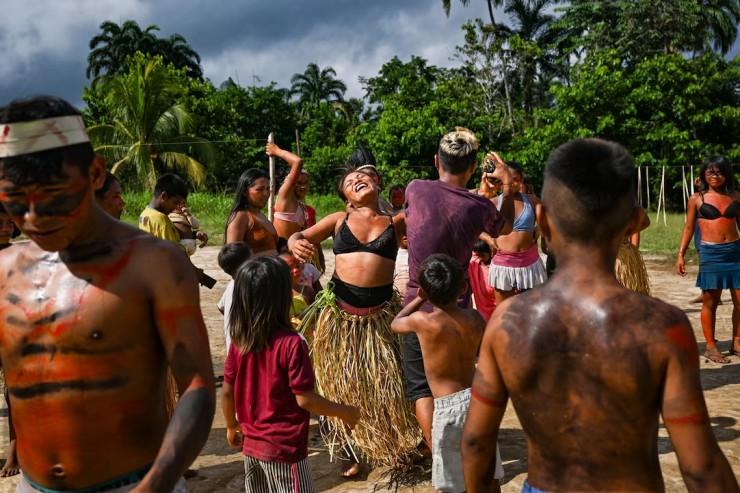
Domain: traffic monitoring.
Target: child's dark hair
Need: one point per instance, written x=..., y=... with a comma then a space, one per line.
x=233, y=255
x=589, y=189
x=42, y=167
x=481, y=246
x=721, y=164
x=282, y=245
x=110, y=178
x=458, y=151
x=172, y=185
x=262, y=300
x=441, y=279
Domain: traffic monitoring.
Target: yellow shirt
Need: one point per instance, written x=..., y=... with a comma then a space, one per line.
x=157, y=224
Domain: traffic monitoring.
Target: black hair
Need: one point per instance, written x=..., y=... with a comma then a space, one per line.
x=481, y=246
x=361, y=157
x=42, y=167
x=110, y=178
x=515, y=167
x=261, y=303
x=394, y=188
x=233, y=255
x=172, y=185
x=441, y=278
x=589, y=189
x=241, y=198
x=282, y=245
x=721, y=164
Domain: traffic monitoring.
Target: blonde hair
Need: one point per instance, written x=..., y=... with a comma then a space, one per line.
x=457, y=150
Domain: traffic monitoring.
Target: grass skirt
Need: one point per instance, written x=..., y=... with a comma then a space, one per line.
x=630, y=269
x=357, y=361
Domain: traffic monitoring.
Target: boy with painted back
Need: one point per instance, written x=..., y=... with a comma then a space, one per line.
x=449, y=337
x=589, y=364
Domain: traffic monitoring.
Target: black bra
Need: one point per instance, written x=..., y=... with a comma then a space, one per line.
x=384, y=245
x=710, y=212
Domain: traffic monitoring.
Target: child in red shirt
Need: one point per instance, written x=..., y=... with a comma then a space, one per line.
x=269, y=382
x=483, y=293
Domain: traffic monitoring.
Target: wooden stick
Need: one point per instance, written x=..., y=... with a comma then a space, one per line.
x=271, y=202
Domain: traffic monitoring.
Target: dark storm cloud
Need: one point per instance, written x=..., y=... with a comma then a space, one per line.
x=44, y=44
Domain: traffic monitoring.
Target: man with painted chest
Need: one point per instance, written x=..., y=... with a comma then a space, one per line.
x=88, y=323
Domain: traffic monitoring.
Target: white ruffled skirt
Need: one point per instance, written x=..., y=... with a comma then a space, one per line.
x=517, y=270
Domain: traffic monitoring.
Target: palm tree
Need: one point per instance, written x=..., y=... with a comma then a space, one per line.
x=446, y=4
x=719, y=19
x=315, y=85
x=149, y=130
x=111, y=48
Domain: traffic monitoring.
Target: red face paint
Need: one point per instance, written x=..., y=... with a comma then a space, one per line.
x=695, y=419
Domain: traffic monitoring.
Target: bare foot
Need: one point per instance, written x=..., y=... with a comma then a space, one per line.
x=349, y=468
x=11, y=467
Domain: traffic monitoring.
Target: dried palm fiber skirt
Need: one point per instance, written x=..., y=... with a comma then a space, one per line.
x=517, y=270
x=630, y=269
x=357, y=361
x=719, y=266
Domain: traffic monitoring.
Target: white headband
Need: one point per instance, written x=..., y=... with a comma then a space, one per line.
x=21, y=138
x=367, y=166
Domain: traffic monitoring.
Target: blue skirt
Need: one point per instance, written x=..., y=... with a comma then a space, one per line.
x=719, y=266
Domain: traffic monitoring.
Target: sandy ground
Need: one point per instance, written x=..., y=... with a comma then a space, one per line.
x=220, y=468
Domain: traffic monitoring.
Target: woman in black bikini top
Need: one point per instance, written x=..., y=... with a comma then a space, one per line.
x=718, y=207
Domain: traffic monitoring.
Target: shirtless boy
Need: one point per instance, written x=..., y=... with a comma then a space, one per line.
x=89, y=323
x=449, y=338
x=590, y=365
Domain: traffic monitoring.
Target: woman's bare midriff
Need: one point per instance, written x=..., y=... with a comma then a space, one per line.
x=364, y=269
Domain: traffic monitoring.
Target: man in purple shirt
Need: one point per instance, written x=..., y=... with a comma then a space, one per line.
x=442, y=216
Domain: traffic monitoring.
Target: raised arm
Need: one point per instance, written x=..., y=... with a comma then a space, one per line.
x=487, y=407
x=703, y=466
x=687, y=234
x=302, y=243
x=402, y=324
x=286, y=193
x=182, y=331
x=503, y=173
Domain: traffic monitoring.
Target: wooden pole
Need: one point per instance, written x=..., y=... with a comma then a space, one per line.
x=297, y=143
x=271, y=202
x=684, y=190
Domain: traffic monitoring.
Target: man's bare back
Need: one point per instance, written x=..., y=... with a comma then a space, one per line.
x=590, y=365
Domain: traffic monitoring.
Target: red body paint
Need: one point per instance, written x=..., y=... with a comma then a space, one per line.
x=696, y=419
x=681, y=338
x=485, y=400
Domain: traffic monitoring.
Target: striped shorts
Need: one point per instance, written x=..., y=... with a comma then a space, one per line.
x=275, y=477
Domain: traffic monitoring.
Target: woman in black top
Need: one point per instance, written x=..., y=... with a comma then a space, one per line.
x=355, y=353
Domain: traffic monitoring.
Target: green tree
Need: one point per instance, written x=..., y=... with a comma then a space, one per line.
x=147, y=130
x=110, y=49
x=668, y=110
x=315, y=85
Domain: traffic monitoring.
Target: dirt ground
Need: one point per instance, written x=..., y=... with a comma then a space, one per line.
x=220, y=468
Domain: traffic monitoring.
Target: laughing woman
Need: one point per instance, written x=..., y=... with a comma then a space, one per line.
x=717, y=210
x=356, y=355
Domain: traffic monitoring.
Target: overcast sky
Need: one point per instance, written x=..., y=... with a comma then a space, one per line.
x=44, y=43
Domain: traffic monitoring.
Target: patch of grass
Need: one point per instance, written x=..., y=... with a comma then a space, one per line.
x=212, y=210
x=664, y=238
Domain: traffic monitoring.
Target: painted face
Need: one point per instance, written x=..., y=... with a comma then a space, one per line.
x=302, y=186
x=112, y=202
x=296, y=268
x=6, y=228
x=259, y=193
x=714, y=177
x=398, y=197
x=358, y=185
x=51, y=214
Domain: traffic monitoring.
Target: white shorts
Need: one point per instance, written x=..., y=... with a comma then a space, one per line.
x=449, y=416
